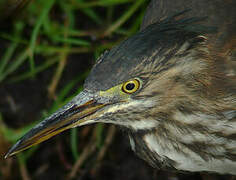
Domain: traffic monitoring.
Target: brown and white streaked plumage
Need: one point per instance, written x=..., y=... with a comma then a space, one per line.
x=170, y=87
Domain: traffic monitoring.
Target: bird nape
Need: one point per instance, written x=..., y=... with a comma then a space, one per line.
x=167, y=90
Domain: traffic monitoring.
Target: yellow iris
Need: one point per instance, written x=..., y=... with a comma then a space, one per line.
x=131, y=86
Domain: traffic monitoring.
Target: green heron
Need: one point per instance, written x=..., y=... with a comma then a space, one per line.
x=171, y=87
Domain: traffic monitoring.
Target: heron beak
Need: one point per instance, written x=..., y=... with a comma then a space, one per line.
x=79, y=111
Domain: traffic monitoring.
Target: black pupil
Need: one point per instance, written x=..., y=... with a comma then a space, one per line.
x=130, y=86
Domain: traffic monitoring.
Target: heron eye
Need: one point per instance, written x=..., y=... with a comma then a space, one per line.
x=131, y=86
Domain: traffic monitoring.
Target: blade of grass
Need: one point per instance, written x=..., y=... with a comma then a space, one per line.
x=45, y=10
x=109, y=14
x=124, y=17
x=99, y=137
x=56, y=49
x=13, y=39
x=102, y=3
x=7, y=56
x=37, y=70
x=10, y=50
x=93, y=15
x=74, y=143
x=57, y=75
x=15, y=64
x=76, y=32
x=47, y=26
x=72, y=41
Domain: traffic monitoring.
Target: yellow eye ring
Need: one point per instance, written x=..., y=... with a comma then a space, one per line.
x=131, y=86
